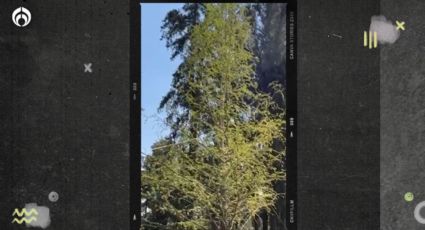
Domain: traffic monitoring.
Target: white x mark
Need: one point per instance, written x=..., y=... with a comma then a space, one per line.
x=400, y=25
x=87, y=68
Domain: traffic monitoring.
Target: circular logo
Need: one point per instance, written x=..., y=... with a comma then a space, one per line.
x=21, y=17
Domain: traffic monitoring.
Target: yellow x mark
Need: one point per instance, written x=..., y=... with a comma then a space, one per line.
x=400, y=25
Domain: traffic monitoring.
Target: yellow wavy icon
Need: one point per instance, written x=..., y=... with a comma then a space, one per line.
x=24, y=213
x=24, y=220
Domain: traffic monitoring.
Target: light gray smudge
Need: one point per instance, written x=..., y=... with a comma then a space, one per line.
x=43, y=217
x=386, y=30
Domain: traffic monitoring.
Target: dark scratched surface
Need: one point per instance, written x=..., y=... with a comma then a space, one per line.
x=338, y=117
x=361, y=117
x=403, y=117
x=63, y=129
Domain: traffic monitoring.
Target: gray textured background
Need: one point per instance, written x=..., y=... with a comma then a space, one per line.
x=403, y=116
x=338, y=117
x=361, y=117
x=62, y=129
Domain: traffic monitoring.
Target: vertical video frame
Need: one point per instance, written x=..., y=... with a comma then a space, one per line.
x=214, y=115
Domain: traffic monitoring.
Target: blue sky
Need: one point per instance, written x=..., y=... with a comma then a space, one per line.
x=157, y=70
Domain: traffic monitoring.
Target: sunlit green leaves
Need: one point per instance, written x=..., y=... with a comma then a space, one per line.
x=218, y=173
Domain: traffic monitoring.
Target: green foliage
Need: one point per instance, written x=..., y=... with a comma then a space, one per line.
x=219, y=171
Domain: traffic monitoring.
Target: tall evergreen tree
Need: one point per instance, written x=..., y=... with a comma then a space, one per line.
x=177, y=28
x=269, y=39
x=221, y=166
